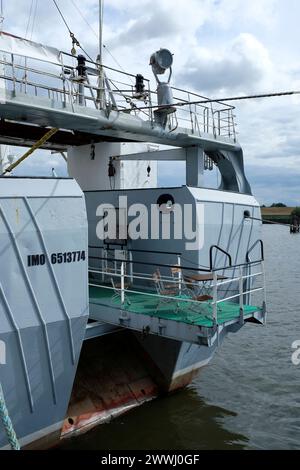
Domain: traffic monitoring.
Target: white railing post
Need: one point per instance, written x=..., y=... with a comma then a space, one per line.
x=104, y=263
x=130, y=266
x=241, y=295
x=179, y=275
x=241, y=289
x=215, y=298
x=13, y=72
x=122, y=283
x=264, y=291
x=264, y=280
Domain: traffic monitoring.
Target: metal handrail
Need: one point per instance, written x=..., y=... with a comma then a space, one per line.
x=224, y=252
x=252, y=248
x=215, y=301
x=138, y=251
x=161, y=265
x=80, y=93
x=241, y=292
x=238, y=295
x=178, y=299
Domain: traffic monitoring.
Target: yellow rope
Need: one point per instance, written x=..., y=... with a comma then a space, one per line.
x=33, y=148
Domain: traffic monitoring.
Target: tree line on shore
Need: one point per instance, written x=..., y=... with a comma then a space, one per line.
x=295, y=211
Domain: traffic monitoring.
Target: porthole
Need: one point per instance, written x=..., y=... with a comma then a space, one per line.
x=165, y=203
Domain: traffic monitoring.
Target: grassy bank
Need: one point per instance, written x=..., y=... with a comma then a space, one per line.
x=277, y=214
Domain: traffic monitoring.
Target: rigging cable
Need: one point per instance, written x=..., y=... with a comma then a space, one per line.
x=236, y=98
x=62, y=16
x=75, y=41
x=31, y=16
x=107, y=50
x=223, y=100
x=34, y=18
x=97, y=36
x=84, y=19
x=26, y=37
x=115, y=60
x=29, y=19
x=1, y=15
x=268, y=221
x=72, y=35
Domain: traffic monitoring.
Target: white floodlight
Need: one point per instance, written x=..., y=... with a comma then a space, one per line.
x=161, y=61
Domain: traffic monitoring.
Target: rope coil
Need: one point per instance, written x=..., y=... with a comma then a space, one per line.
x=7, y=424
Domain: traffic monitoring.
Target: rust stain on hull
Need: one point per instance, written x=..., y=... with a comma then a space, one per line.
x=114, y=376
x=111, y=380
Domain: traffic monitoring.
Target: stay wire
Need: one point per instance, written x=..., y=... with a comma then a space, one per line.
x=105, y=47
x=84, y=18
x=72, y=35
x=29, y=19
x=62, y=16
x=34, y=18
x=223, y=100
x=268, y=221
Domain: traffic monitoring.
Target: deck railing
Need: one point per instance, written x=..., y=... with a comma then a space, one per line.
x=232, y=287
x=243, y=291
x=61, y=84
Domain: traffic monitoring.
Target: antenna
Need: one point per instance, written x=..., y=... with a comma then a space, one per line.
x=1, y=16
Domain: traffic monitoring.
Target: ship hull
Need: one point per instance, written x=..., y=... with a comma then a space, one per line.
x=57, y=383
x=117, y=373
x=124, y=370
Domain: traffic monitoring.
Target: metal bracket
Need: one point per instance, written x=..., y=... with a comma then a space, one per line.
x=161, y=329
x=124, y=319
x=146, y=331
x=264, y=312
x=207, y=336
x=241, y=318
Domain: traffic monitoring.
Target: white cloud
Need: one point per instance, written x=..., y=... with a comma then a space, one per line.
x=241, y=65
x=220, y=47
x=184, y=16
x=261, y=12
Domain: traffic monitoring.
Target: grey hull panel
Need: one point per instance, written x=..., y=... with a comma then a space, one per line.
x=49, y=400
x=43, y=299
x=115, y=374
x=176, y=363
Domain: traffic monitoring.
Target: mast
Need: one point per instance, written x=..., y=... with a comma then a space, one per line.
x=101, y=32
x=101, y=95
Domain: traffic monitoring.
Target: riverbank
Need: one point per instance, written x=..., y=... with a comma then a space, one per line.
x=277, y=214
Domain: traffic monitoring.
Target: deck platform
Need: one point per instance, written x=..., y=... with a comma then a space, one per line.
x=181, y=320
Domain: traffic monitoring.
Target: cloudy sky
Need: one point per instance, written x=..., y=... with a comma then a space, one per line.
x=221, y=48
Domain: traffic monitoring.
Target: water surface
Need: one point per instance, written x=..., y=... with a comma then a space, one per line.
x=249, y=395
